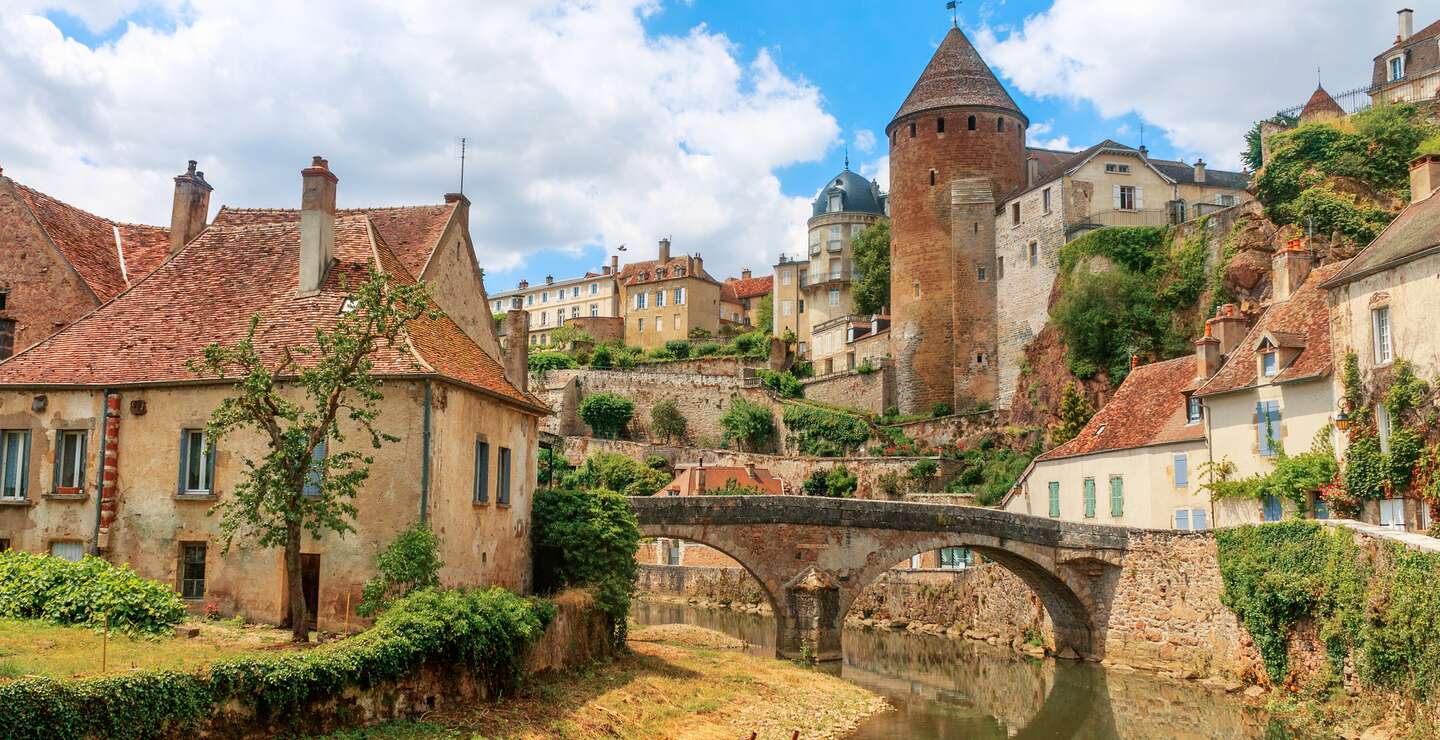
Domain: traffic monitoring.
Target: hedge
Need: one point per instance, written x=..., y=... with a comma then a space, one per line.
x=85, y=593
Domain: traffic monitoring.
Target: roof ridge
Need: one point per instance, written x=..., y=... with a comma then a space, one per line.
x=74, y=207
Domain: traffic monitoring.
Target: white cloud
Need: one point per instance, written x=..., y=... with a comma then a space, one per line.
x=1038, y=135
x=864, y=140
x=582, y=127
x=878, y=170
x=1204, y=75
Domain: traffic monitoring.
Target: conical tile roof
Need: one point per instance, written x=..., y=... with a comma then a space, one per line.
x=1320, y=107
x=957, y=76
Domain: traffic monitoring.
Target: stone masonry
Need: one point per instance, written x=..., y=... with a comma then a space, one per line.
x=1023, y=303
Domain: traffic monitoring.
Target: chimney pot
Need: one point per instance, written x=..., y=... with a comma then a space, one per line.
x=1200, y=170
x=190, y=207
x=1144, y=153
x=1134, y=361
x=1407, y=24
x=1289, y=268
x=745, y=273
x=317, y=224
x=1230, y=327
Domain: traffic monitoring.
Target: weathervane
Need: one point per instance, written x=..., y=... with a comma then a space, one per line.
x=462, y=165
x=953, y=6
x=847, y=156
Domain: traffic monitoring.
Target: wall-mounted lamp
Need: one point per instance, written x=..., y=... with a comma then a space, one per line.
x=1342, y=420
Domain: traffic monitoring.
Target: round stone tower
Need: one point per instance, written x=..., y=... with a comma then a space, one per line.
x=957, y=147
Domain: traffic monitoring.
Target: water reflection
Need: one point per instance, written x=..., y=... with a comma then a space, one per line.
x=944, y=688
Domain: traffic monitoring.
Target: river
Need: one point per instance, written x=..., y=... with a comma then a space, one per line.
x=944, y=688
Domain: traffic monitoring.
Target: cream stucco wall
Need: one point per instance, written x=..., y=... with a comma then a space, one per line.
x=1410, y=291
x=459, y=286
x=701, y=310
x=1151, y=495
x=574, y=298
x=1152, y=192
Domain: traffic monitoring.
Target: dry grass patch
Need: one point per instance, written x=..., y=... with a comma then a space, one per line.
x=32, y=648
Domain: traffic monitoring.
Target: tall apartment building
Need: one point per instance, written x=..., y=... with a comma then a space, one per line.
x=555, y=302
x=667, y=297
x=813, y=291
x=1409, y=70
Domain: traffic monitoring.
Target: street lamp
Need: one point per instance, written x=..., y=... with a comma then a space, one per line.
x=1342, y=420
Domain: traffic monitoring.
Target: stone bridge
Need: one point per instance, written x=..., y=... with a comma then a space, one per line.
x=813, y=556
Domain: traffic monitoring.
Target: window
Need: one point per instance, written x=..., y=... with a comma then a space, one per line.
x=1014, y=214
x=1089, y=498
x=1121, y=169
x=1192, y=409
x=1392, y=513
x=192, y=570
x=482, y=471
x=594, y=288
x=1380, y=331
x=545, y=297
x=912, y=130
x=1000, y=267
x=7, y=338
x=497, y=305
x=502, y=485
x=1190, y=519
x=575, y=292
x=1034, y=254
x=1267, y=427
x=594, y=309
x=679, y=296
x=835, y=205
x=956, y=558
x=834, y=296
x=787, y=308
x=1125, y=197
x=640, y=300
x=574, y=312
x=1397, y=67
x=1225, y=199
x=940, y=125
x=4, y=299
x=544, y=319
x=1045, y=200
x=70, y=461
x=855, y=230
x=1182, y=470
x=14, y=463
x=1117, y=496
x=1269, y=363
x=980, y=273
x=68, y=550
x=970, y=123
x=659, y=299
x=932, y=178
x=801, y=306
x=1382, y=427
x=640, y=325
x=1055, y=498
x=197, y=462
x=316, y=477
x=1000, y=125
x=530, y=299
x=1270, y=509
x=659, y=323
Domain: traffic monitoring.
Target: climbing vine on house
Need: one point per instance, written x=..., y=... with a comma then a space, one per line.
x=1372, y=471
x=1292, y=477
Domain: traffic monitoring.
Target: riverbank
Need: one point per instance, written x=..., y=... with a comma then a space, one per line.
x=676, y=681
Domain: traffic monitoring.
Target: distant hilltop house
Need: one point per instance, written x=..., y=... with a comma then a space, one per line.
x=697, y=480
x=590, y=302
x=740, y=299
x=666, y=298
x=1408, y=71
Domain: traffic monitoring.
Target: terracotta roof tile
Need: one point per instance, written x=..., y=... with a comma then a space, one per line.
x=209, y=290
x=413, y=232
x=1147, y=409
x=1320, y=106
x=735, y=289
x=88, y=243
x=957, y=76
x=1303, y=321
x=637, y=273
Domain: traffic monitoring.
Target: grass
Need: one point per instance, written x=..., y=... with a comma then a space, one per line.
x=32, y=648
x=675, y=683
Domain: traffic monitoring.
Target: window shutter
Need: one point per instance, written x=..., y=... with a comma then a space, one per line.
x=184, y=460
x=1197, y=519
x=1139, y=197
x=84, y=458
x=1260, y=422
x=210, y=467
x=1117, y=196
x=25, y=465
x=1182, y=518
x=55, y=477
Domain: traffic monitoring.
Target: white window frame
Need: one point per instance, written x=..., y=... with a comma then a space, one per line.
x=787, y=307
x=67, y=545
x=1383, y=427
x=15, y=462
x=660, y=298
x=1270, y=363
x=834, y=296
x=187, y=443
x=679, y=296
x=1382, y=334
x=1391, y=67
x=1121, y=197
x=75, y=463
x=594, y=288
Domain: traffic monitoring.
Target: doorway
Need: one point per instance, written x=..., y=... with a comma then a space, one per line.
x=310, y=586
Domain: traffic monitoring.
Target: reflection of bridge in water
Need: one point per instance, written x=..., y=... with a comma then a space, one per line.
x=813, y=556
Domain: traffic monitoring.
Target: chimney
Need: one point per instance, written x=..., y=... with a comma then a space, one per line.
x=1134, y=361
x=1200, y=171
x=1424, y=177
x=614, y=264
x=699, y=265
x=1229, y=326
x=1144, y=153
x=745, y=273
x=1288, y=270
x=1032, y=170
x=523, y=284
x=462, y=209
x=604, y=269
x=664, y=251
x=517, y=346
x=1207, y=354
x=549, y=279
x=317, y=224
x=190, y=208
x=1407, y=24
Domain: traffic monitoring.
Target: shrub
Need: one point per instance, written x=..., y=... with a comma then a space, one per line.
x=1075, y=413
x=666, y=421
x=607, y=413
x=803, y=369
x=836, y=482
x=588, y=538
x=924, y=471
x=753, y=344
x=782, y=384
x=661, y=354
x=657, y=462
x=824, y=432
x=85, y=593
x=616, y=472
x=410, y=563
x=748, y=424
x=601, y=358
x=940, y=408
x=699, y=332
x=865, y=368
x=872, y=268
x=705, y=350
x=679, y=348
x=550, y=466
x=543, y=361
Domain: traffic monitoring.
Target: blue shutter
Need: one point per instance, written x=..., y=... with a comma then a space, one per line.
x=1182, y=470
x=1054, y=498
x=1197, y=519
x=184, y=462
x=1271, y=509
x=1182, y=518
x=25, y=465
x=1117, y=496
x=210, y=466
x=316, y=475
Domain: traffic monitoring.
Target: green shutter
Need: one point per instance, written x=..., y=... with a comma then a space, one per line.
x=1089, y=498
x=25, y=465
x=210, y=467
x=1054, y=498
x=1117, y=496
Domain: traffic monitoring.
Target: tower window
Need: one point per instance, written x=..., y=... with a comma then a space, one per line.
x=932, y=178
x=912, y=129
x=1015, y=214
x=1000, y=125
x=940, y=125
x=970, y=123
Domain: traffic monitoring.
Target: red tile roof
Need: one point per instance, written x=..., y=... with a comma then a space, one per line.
x=1303, y=320
x=638, y=273
x=734, y=289
x=695, y=481
x=413, y=232
x=1148, y=409
x=89, y=243
x=209, y=290
x=1320, y=105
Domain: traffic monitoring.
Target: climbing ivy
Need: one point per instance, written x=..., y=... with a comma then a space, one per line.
x=1292, y=477
x=824, y=432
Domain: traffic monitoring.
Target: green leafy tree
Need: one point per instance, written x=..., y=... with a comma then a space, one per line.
x=551, y=466
x=1075, y=413
x=607, y=414
x=410, y=563
x=540, y=362
x=765, y=314
x=601, y=358
x=306, y=481
x=615, y=472
x=871, y=287
x=748, y=424
x=679, y=348
x=666, y=421
x=1252, y=154
x=567, y=335
x=588, y=538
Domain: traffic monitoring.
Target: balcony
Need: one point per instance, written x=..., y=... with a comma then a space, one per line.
x=842, y=275
x=834, y=246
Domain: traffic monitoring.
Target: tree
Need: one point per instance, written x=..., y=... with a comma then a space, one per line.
x=607, y=414
x=666, y=421
x=410, y=563
x=306, y=480
x=1253, y=139
x=749, y=424
x=765, y=314
x=872, y=268
x=1075, y=413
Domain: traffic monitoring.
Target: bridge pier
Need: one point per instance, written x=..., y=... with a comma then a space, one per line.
x=812, y=622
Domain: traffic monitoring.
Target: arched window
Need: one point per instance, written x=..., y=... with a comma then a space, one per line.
x=1000, y=125
x=970, y=123
x=940, y=125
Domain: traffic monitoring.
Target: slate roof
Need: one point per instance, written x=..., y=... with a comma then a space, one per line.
x=209, y=290
x=734, y=289
x=1420, y=57
x=1303, y=320
x=413, y=232
x=860, y=195
x=108, y=255
x=1054, y=166
x=1413, y=234
x=1185, y=175
x=955, y=77
x=1147, y=409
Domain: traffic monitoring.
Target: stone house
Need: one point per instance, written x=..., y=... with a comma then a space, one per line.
x=665, y=298
x=696, y=480
x=102, y=424
x=58, y=263
x=1383, y=308
x=740, y=298
x=594, y=295
x=1271, y=390
x=1409, y=70
x=1108, y=184
x=1135, y=464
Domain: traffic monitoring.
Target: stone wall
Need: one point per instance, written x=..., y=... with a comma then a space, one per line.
x=985, y=602
x=792, y=468
x=699, y=387
x=721, y=586
x=873, y=392
x=953, y=429
x=1023, y=300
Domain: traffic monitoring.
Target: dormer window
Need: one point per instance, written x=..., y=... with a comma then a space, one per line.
x=835, y=204
x=1192, y=409
x=1269, y=363
x=679, y=272
x=660, y=274
x=1396, y=65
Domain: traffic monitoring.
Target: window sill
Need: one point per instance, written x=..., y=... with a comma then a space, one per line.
x=502, y=506
x=194, y=497
x=65, y=496
x=16, y=502
x=480, y=504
